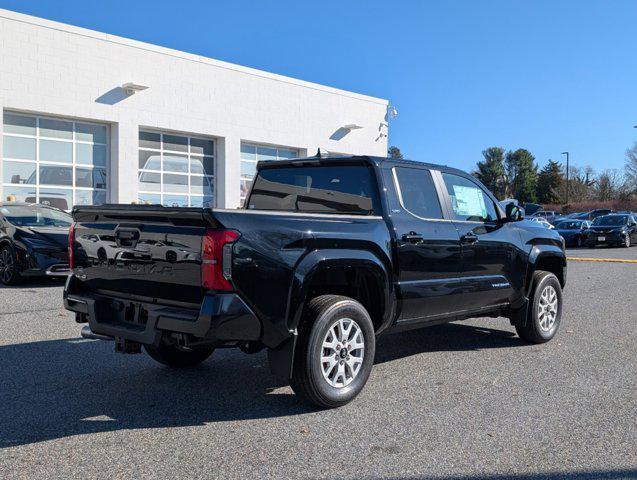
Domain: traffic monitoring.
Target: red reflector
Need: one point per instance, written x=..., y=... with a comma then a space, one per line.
x=212, y=258
x=70, y=247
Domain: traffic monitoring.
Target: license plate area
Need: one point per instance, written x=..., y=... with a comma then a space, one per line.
x=135, y=314
x=131, y=315
x=601, y=239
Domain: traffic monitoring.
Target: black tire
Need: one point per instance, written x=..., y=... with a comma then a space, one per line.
x=9, y=274
x=322, y=316
x=177, y=358
x=534, y=330
x=627, y=241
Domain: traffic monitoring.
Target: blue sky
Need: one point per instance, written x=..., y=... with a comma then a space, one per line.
x=548, y=76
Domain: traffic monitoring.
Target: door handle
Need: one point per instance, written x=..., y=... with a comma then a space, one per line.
x=469, y=238
x=412, y=237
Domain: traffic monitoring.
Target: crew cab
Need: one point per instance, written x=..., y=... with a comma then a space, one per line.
x=326, y=254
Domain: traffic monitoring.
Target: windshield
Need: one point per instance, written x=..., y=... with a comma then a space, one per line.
x=610, y=220
x=570, y=225
x=34, y=216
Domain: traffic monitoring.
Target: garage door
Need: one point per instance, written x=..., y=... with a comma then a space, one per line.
x=54, y=161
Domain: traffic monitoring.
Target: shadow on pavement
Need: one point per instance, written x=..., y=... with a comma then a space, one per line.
x=26, y=284
x=58, y=388
x=443, y=338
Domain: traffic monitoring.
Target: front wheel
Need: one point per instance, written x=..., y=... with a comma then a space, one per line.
x=335, y=353
x=175, y=357
x=545, y=311
x=627, y=242
x=9, y=274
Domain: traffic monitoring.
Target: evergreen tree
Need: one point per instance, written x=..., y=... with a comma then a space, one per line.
x=491, y=171
x=550, y=183
x=394, y=152
x=522, y=175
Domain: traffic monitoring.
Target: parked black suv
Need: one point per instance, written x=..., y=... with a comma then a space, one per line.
x=327, y=254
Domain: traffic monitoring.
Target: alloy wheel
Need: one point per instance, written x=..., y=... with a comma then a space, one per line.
x=547, y=308
x=342, y=353
x=6, y=265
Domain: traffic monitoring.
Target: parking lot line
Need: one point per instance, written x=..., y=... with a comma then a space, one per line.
x=615, y=260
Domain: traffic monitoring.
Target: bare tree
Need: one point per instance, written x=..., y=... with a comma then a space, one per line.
x=582, y=184
x=631, y=168
x=610, y=185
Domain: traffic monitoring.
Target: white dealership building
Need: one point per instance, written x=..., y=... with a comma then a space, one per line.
x=90, y=117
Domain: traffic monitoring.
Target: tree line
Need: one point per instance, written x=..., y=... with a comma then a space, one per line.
x=515, y=174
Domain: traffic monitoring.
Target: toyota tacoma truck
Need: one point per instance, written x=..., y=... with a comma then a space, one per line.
x=326, y=254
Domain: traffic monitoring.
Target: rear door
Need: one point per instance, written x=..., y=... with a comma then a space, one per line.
x=492, y=266
x=427, y=246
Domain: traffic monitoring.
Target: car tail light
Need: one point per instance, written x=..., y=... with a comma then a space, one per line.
x=71, y=240
x=216, y=259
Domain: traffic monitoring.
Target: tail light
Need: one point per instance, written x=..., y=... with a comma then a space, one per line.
x=216, y=259
x=71, y=240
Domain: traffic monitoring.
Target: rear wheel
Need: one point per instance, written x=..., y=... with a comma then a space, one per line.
x=545, y=310
x=8, y=266
x=177, y=358
x=335, y=353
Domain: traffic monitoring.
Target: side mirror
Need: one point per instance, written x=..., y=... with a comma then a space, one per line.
x=15, y=179
x=514, y=213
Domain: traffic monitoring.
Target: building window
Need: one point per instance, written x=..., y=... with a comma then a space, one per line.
x=251, y=154
x=176, y=170
x=54, y=161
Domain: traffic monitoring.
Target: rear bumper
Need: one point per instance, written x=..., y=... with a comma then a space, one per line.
x=222, y=318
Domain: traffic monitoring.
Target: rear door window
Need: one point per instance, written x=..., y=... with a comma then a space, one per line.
x=341, y=189
x=417, y=192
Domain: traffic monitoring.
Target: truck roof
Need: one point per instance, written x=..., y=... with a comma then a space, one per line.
x=348, y=159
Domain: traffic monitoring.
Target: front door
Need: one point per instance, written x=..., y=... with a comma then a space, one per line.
x=492, y=268
x=428, y=247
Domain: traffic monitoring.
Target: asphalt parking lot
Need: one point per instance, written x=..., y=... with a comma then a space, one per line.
x=466, y=400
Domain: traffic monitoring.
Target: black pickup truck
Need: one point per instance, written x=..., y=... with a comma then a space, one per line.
x=326, y=254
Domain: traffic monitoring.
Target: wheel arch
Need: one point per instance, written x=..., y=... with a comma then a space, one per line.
x=550, y=259
x=358, y=274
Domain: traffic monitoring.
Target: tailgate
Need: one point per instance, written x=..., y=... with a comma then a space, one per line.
x=147, y=251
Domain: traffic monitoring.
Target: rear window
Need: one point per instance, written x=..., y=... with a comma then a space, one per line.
x=337, y=189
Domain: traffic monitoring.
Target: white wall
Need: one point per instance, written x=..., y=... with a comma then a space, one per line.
x=55, y=69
